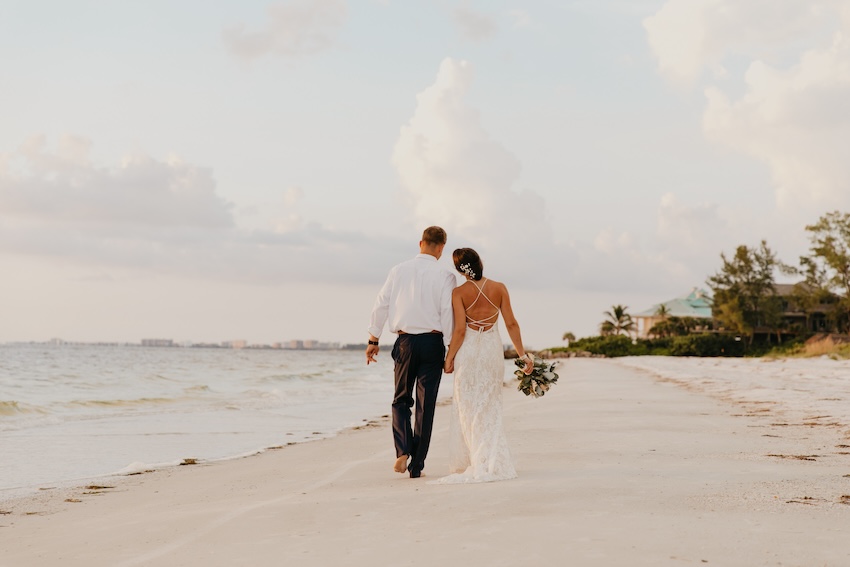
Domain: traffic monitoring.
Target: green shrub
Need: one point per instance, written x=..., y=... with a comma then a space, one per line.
x=708, y=344
x=698, y=344
x=609, y=345
x=619, y=345
x=790, y=347
x=657, y=347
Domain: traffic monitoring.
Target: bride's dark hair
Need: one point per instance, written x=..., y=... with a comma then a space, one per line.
x=468, y=262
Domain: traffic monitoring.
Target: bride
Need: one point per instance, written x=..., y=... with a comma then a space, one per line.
x=478, y=450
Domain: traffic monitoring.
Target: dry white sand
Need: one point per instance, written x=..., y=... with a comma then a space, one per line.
x=617, y=467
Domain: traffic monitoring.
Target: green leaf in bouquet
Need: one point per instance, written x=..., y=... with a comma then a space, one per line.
x=539, y=381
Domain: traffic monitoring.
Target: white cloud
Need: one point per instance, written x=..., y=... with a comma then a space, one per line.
x=689, y=232
x=474, y=26
x=677, y=251
x=792, y=115
x=618, y=260
x=458, y=176
x=163, y=217
x=296, y=28
x=796, y=120
x=63, y=185
x=688, y=36
x=676, y=35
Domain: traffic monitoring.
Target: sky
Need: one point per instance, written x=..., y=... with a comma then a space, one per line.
x=212, y=171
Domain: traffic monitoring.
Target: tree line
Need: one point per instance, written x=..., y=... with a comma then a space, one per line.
x=745, y=294
x=747, y=301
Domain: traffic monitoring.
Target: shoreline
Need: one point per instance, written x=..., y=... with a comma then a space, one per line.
x=105, y=414
x=615, y=467
x=16, y=497
x=59, y=498
x=52, y=494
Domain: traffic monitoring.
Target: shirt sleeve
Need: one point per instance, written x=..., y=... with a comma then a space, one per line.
x=447, y=318
x=381, y=308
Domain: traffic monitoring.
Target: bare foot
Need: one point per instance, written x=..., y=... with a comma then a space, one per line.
x=400, y=464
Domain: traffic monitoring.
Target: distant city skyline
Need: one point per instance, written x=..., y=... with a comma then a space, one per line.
x=294, y=344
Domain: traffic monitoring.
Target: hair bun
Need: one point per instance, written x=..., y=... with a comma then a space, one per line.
x=468, y=263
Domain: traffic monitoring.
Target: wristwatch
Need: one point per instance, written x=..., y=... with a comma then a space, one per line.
x=373, y=343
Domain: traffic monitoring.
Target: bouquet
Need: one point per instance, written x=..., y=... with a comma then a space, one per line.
x=539, y=381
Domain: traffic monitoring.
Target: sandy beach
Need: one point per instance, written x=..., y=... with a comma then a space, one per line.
x=617, y=464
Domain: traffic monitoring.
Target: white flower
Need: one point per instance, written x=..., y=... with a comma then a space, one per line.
x=467, y=269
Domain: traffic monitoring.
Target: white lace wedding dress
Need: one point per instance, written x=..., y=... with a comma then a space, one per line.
x=478, y=450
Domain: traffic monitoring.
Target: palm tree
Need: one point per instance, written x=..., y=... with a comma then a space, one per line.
x=568, y=337
x=662, y=312
x=617, y=322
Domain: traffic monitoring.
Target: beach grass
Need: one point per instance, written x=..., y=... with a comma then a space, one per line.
x=816, y=349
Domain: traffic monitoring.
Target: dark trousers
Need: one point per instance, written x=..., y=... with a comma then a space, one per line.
x=418, y=367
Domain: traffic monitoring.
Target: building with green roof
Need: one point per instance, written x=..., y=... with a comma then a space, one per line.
x=696, y=304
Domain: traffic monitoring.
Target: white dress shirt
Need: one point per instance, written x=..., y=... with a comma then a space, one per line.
x=416, y=298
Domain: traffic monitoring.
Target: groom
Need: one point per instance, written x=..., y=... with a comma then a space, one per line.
x=416, y=302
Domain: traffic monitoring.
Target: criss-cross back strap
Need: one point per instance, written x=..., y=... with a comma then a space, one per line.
x=486, y=321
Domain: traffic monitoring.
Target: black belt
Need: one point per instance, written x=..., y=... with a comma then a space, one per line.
x=415, y=334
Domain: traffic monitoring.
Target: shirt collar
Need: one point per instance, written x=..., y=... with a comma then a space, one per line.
x=426, y=257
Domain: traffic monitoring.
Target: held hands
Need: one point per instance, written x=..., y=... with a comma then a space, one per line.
x=449, y=365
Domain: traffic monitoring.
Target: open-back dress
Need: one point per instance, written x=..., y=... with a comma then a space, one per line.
x=478, y=449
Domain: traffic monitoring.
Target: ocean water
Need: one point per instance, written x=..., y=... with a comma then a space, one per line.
x=69, y=413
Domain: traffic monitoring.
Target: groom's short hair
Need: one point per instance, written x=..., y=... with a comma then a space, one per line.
x=434, y=235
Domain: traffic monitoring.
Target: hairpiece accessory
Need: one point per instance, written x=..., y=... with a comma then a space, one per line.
x=467, y=269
